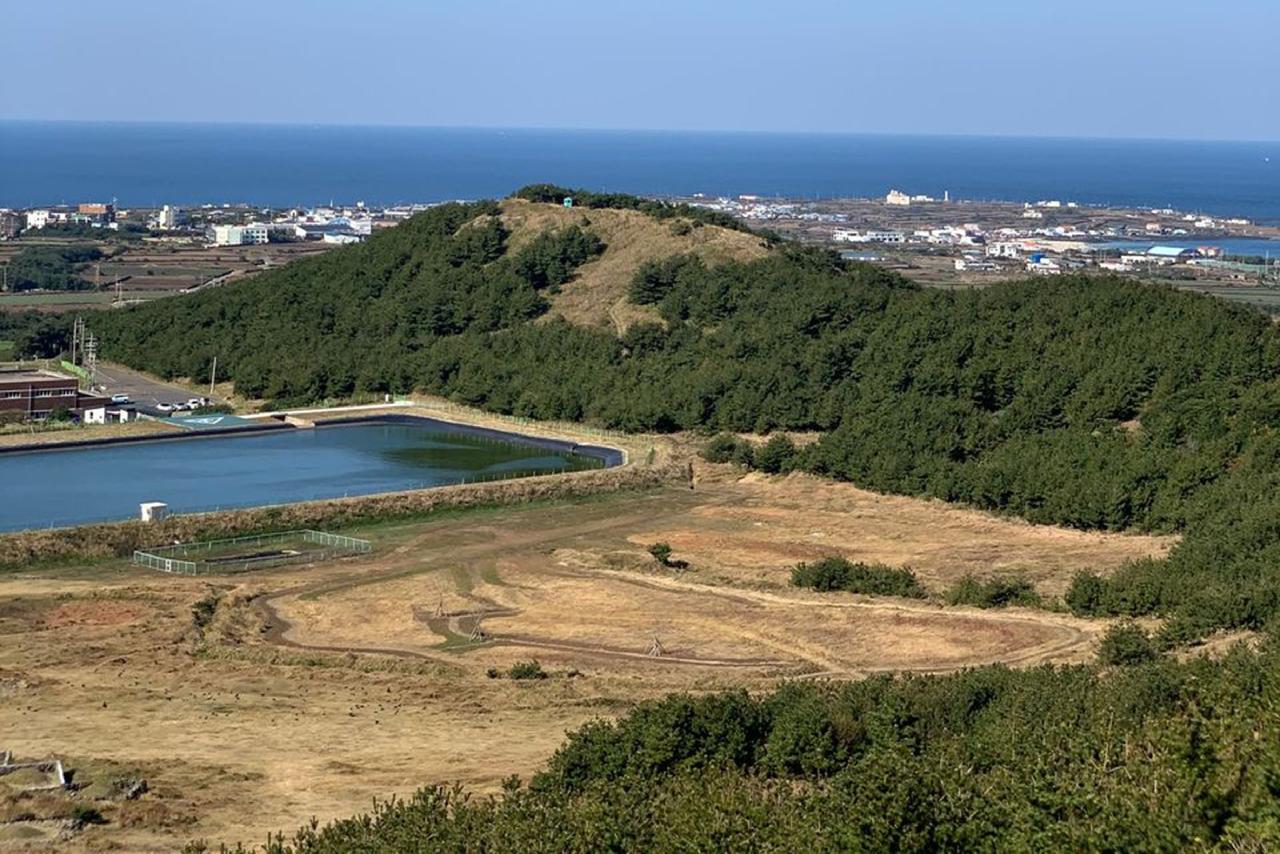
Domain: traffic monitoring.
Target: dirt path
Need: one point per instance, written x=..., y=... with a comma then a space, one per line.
x=1059, y=637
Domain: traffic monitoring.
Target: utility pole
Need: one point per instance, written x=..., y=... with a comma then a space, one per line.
x=213, y=375
x=91, y=358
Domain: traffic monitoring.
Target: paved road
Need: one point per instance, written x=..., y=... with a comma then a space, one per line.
x=142, y=390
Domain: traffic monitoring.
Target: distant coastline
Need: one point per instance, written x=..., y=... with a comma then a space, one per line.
x=47, y=163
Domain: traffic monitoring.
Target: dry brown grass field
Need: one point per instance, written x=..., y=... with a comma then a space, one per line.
x=307, y=691
x=17, y=436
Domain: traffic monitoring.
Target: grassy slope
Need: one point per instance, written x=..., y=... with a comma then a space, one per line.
x=598, y=295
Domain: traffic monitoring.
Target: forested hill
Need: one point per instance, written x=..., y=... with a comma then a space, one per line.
x=1093, y=402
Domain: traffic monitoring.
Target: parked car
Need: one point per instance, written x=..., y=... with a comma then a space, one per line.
x=120, y=398
x=197, y=402
x=166, y=407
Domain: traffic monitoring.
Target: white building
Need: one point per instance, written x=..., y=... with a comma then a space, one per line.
x=1004, y=249
x=167, y=218
x=356, y=225
x=1171, y=254
x=871, y=236
x=239, y=235
x=1044, y=267
x=897, y=197
x=342, y=238
x=37, y=219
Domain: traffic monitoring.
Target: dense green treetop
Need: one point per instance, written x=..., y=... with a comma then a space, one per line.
x=51, y=268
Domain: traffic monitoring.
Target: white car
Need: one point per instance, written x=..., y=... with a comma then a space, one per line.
x=120, y=398
x=197, y=402
x=166, y=407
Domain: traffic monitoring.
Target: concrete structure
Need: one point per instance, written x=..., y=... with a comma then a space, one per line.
x=98, y=212
x=167, y=218
x=1171, y=254
x=34, y=394
x=897, y=197
x=37, y=219
x=337, y=237
x=319, y=230
x=238, y=235
x=869, y=236
x=1004, y=249
x=153, y=511
x=11, y=222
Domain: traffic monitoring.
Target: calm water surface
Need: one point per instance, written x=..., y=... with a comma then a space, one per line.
x=45, y=163
x=73, y=486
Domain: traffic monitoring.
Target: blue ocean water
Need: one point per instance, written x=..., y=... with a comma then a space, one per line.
x=1249, y=247
x=279, y=165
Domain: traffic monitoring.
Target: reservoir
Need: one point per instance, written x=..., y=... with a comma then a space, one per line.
x=40, y=489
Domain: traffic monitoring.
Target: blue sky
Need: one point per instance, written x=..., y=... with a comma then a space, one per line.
x=1127, y=68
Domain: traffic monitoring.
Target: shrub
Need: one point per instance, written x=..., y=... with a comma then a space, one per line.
x=777, y=455
x=214, y=409
x=86, y=814
x=837, y=573
x=203, y=610
x=993, y=593
x=1085, y=595
x=527, y=670
x=1126, y=643
x=727, y=448
x=661, y=553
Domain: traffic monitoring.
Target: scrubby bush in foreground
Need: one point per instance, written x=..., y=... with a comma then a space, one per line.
x=1165, y=757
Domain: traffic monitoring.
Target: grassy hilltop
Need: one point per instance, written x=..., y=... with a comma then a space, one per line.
x=1091, y=402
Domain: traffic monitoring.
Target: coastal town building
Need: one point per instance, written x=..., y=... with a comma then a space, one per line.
x=98, y=213
x=238, y=235
x=871, y=236
x=11, y=223
x=897, y=197
x=36, y=394
x=1171, y=254
x=167, y=218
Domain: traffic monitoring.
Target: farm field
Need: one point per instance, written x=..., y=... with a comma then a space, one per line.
x=251, y=702
x=147, y=271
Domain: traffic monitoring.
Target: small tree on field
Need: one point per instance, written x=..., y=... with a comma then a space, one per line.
x=661, y=553
x=1126, y=643
x=527, y=670
x=777, y=455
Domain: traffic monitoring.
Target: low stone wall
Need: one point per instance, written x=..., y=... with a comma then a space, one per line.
x=121, y=539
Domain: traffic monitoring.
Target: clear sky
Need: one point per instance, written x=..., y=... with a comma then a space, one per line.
x=1206, y=69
